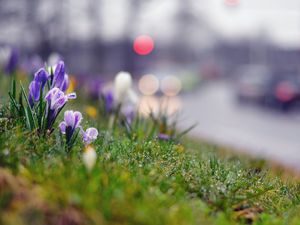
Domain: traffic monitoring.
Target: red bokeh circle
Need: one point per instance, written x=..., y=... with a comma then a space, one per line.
x=232, y=2
x=143, y=45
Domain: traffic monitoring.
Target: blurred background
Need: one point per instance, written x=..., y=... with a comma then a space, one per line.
x=232, y=66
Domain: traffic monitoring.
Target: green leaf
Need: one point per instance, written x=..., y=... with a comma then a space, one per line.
x=31, y=122
x=13, y=96
x=13, y=101
x=21, y=106
x=14, y=89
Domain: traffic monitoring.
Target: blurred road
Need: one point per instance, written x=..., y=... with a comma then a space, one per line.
x=249, y=128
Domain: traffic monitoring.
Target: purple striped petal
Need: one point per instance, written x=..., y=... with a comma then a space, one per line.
x=59, y=103
x=78, y=118
x=59, y=74
x=62, y=127
x=90, y=135
x=34, y=90
x=50, y=94
x=41, y=76
x=69, y=118
x=65, y=84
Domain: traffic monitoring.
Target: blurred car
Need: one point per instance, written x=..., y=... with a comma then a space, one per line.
x=276, y=89
x=283, y=90
x=251, y=83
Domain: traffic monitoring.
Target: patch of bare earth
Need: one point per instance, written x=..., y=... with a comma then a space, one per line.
x=22, y=202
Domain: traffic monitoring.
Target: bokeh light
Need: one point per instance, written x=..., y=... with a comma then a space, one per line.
x=156, y=105
x=148, y=104
x=285, y=91
x=143, y=45
x=232, y=2
x=171, y=105
x=171, y=86
x=148, y=84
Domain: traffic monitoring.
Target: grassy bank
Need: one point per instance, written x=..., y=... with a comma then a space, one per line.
x=145, y=173
x=136, y=182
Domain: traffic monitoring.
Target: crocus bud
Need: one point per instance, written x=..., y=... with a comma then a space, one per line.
x=34, y=90
x=89, y=157
x=123, y=83
x=41, y=76
x=65, y=83
x=59, y=74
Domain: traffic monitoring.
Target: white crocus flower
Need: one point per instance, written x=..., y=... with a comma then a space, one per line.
x=51, y=69
x=122, y=85
x=89, y=158
x=123, y=94
x=54, y=58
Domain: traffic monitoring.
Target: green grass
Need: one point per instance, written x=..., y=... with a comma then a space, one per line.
x=136, y=181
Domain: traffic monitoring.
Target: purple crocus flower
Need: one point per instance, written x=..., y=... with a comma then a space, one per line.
x=109, y=101
x=65, y=84
x=56, y=100
x=13, y=60
x=163, y=137
x=94, y=87
x=60, y=78
x=41, y=76
x=37, y=85
x=59, y=74
x=71, y=121
x=89, y=135
x=34, y=92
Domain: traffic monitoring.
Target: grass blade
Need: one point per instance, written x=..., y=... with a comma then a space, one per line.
x=28, y=112
x=186, y=131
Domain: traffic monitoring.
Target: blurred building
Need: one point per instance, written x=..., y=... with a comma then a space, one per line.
x=96, y=36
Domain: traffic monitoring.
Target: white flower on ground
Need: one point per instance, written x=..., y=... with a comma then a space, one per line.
x=89, y=158
x=122, y=85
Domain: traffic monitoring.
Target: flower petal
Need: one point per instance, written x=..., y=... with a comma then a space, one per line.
x=62, y=127
x=65, y=84
x=41, y=76
x=90, y=135
x=72, y=95
x=69, y=118
x=59, y=73
x=109, y=101
x=92, y=132
x=78, y=118
x=51, y=93
x=58, y=103
x=34, y=90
